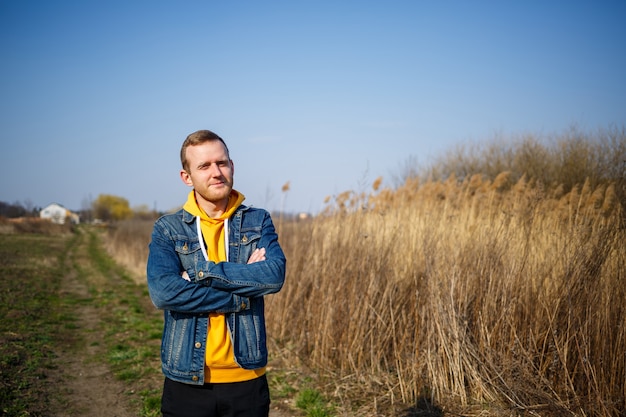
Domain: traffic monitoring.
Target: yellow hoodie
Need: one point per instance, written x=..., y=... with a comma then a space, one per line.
x=220, y=365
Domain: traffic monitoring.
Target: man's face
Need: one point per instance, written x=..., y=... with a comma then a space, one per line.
x=210, y=172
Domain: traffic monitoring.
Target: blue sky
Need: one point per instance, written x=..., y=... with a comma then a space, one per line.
x=96, y=97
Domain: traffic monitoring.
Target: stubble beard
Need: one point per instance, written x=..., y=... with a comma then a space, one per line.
x=217, y=196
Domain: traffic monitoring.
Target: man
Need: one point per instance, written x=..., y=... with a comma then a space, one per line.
x=210, y=264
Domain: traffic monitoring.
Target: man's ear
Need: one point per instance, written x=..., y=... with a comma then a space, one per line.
x=184, y=175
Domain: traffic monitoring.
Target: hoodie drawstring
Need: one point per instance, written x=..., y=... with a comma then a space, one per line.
x=201, y=238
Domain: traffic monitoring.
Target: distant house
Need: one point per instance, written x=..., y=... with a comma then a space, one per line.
x=58, y=214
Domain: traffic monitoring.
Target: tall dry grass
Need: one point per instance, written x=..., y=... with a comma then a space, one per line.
x=34, y=225
x=486, y=297
x=498, y=293
x=127, y=242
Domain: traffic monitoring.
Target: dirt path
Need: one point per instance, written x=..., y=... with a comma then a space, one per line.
x=82, y=382
x=86, y=384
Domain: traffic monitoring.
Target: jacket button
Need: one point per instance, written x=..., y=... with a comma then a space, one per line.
x=200, y=274
x=194, y=378
x=243, y=305
x=185, y=247
x=198, y=345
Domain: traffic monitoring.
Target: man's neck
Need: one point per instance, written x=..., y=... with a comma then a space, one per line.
x=213, y=210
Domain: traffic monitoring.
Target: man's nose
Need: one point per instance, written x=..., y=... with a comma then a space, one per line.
x=215, y=170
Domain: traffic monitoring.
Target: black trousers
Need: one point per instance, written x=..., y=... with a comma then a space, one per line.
x=236, y=399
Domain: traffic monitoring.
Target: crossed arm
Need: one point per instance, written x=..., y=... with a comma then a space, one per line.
x=216, y=287
x=257, y=256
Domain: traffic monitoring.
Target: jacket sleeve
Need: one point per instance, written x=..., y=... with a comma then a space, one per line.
x=250, y=280
x=169, y=291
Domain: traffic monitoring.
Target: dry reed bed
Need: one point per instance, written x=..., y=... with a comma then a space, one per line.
x=486, y=297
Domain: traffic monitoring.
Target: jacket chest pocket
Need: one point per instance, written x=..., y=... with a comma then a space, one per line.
x=188, y=252
x=248, y=242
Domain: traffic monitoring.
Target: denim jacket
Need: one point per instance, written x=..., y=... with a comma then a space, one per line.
x=234, y=288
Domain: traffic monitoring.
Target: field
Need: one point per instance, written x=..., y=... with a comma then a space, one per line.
x=78, y=335
x=490, y=294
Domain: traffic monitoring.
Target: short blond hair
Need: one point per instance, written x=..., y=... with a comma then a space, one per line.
x=197, y=138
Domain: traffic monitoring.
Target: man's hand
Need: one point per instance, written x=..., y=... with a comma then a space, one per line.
x=257, y=256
